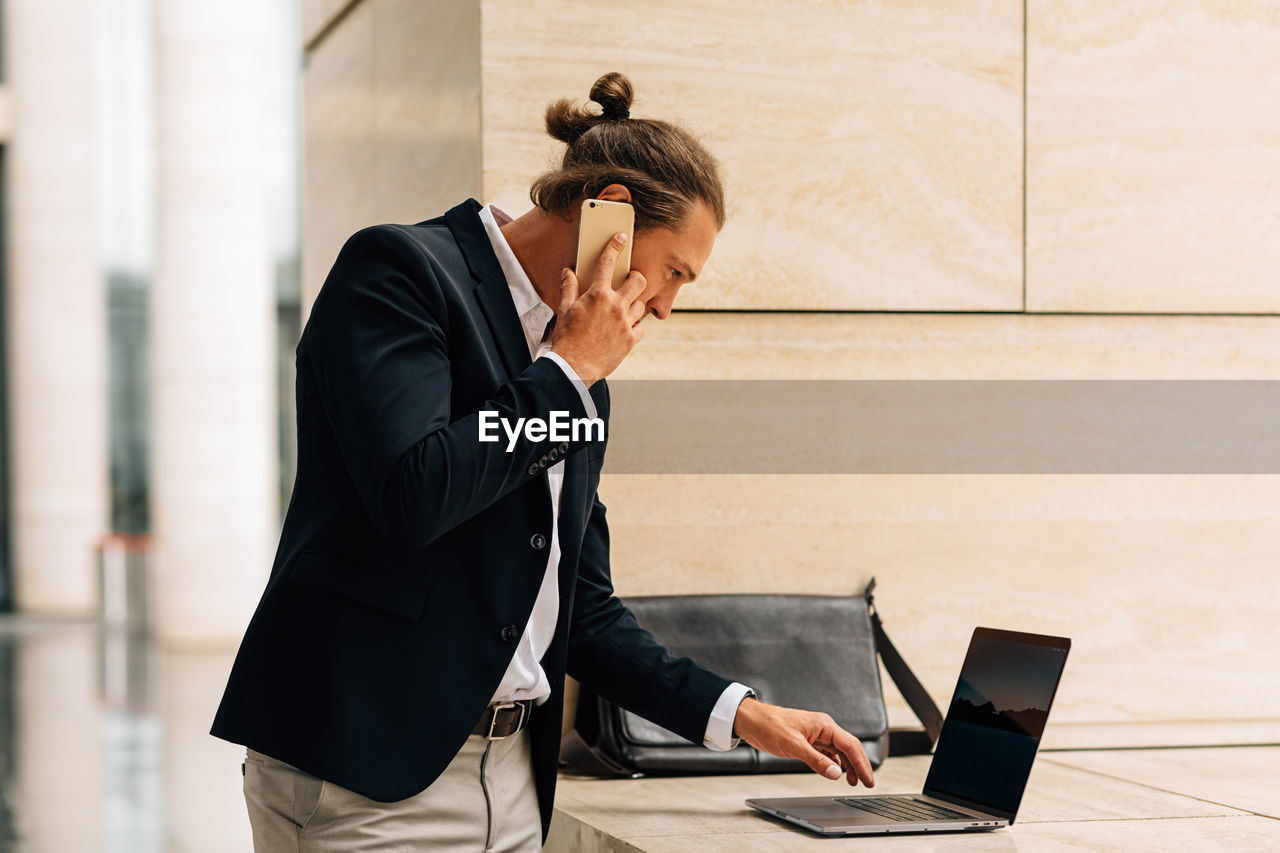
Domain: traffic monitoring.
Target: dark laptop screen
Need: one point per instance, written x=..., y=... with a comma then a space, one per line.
x=996, y=718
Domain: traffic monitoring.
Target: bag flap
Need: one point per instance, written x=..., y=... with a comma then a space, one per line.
x=811, y=652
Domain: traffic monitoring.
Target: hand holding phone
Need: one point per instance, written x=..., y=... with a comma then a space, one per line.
x=598, y=322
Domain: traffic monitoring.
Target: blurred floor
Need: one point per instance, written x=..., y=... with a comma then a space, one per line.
x=104, y=744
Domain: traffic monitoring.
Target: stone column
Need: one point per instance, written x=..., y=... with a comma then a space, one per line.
x=56, y=308
x=213, y=506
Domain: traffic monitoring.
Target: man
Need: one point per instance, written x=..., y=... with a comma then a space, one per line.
x=401, y=683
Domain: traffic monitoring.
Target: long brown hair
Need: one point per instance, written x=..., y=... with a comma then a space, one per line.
x=663, y=166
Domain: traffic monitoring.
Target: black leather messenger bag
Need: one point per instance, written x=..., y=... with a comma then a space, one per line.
x=803, y=651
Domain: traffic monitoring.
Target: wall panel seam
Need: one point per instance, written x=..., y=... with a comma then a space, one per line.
x=1025, y=62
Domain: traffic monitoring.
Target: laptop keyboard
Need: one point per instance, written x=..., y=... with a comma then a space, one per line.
x=902, y=809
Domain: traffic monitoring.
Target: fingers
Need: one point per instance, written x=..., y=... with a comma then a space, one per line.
x=836, y=758
x=632, y=287
x=568, y=290
x=817, y=762
x=608, y=260
x=855, y=757
x=635, y=311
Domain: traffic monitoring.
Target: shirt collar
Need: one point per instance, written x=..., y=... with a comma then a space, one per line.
x=526, y=299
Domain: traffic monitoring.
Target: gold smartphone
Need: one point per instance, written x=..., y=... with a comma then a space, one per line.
x=600, y=221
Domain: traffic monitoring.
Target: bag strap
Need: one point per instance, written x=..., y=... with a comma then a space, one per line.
x=905, y=741
x=578, y=756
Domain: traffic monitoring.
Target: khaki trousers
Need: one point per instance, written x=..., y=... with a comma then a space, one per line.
x=484, y=801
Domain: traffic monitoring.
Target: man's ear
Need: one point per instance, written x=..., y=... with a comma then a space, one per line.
x=615, y=192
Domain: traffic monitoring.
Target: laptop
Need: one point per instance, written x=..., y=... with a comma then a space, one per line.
x=983, y=757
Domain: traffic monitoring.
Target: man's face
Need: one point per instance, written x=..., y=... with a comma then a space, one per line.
x=669, y=260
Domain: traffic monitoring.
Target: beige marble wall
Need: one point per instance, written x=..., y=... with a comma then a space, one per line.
x=1166, y=583
x=1153, y=156
x=392, y=112
x=874, y=159
x=889, y=173
x=954, y=346
x=872, y=151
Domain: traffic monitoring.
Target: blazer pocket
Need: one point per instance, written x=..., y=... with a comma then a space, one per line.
x=365, y=585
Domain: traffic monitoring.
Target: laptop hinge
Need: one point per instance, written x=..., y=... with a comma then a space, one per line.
x=969, y=804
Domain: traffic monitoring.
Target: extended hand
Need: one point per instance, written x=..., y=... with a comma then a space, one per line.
x=812, y=737
x=597, y=328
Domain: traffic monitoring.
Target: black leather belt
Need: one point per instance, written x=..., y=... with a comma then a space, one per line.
x=504, y=719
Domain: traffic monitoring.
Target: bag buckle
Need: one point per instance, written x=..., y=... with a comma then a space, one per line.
x=493, y=721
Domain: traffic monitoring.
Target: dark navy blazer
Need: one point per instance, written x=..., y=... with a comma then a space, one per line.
x=412, y=553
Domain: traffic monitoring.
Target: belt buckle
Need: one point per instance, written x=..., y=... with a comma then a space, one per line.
x=493, y=721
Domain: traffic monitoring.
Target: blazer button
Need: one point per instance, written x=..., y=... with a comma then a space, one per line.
x=538, y=541
x=510, y=633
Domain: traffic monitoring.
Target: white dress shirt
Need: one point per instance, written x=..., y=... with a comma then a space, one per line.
x=525, y=678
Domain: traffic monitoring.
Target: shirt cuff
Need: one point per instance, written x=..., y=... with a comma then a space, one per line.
x=587, y=402
x=719, y=735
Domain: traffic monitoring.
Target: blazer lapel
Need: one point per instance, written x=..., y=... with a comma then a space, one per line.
x=494, y=297
x=492, y=291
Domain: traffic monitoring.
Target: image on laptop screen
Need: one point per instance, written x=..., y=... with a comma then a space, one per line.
x=997, y=715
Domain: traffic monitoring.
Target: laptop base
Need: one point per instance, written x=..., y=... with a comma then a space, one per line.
x=829, y=816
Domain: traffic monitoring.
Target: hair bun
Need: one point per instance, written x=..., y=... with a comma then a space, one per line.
x=567, y=121
x=613, y=93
